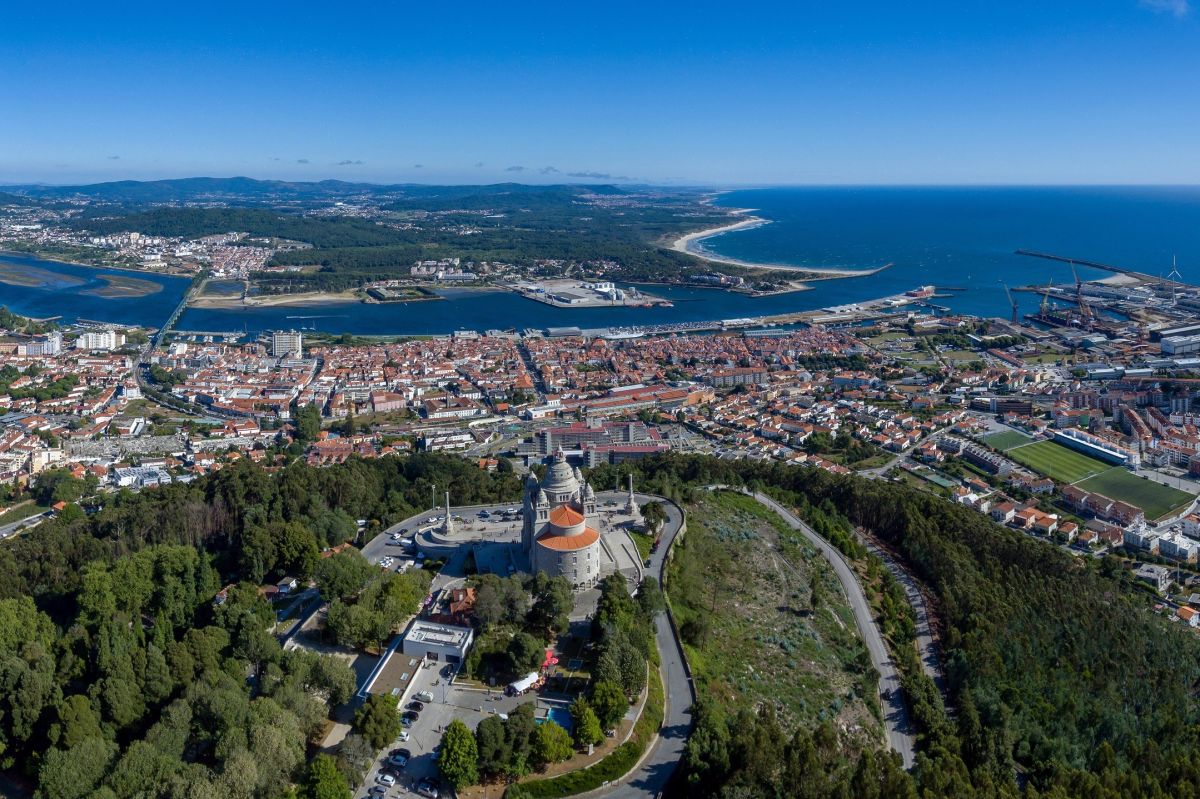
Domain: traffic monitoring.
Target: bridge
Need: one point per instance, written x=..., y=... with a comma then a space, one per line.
x=197, y=283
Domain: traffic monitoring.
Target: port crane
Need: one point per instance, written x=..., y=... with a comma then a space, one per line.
x=1046, y=298
x=1085, y=313
x=1011, y=302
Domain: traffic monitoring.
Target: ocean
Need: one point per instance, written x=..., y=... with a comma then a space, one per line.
x=961, y=238
x=964, y=237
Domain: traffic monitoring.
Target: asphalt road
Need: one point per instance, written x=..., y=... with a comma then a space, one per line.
x=926, y=646
x=898, y=726
x=28, y=523
x=652, y=776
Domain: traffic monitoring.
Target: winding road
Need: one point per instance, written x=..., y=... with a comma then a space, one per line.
x=654, y=772
x=651, y=776
x=897, y=724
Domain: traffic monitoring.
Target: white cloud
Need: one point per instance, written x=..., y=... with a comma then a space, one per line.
x=1176, y=8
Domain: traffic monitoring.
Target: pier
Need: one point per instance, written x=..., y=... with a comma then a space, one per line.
x=1120, y=270
x=233, y=335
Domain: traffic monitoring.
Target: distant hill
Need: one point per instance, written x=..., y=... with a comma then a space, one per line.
x=14, y=199
x=251, y=189
x=185, y=189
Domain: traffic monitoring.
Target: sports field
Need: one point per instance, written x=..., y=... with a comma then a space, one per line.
x=1006, y=440
x=1155, y=499
x=1056, y=461
x=1115, y=482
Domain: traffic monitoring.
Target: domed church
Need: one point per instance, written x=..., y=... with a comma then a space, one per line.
x=559, y=536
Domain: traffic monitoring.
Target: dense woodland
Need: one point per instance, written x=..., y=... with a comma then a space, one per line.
x=1063, y=681
x=119, y=677
x=522, y=225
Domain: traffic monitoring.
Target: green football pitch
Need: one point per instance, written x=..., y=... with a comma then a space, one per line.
x=1056, y=461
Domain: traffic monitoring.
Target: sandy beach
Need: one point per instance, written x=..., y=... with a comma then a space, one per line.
x=686, y=244
x=275, y=300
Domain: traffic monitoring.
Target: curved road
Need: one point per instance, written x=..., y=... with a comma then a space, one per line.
x=651, y=776
x=926, y=645
x=897, y=724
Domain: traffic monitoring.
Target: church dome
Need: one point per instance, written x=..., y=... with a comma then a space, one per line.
x=560, y=477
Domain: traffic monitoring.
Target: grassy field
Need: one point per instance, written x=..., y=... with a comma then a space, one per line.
x=1056, y=461
x=1006, y=440
x=764, y=619
x=1115, y=482
x=1155, y=499
x=642, y=541
x=22, y=510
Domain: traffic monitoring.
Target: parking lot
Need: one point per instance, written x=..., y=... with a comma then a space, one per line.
x=450, y=702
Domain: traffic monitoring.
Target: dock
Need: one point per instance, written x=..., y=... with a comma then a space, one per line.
x=1120, y=270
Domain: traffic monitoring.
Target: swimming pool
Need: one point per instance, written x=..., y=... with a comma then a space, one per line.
x=560, y=716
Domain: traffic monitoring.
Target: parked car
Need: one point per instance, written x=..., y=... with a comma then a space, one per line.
x=411, y=716
x=403, y=736
x=386, y=779
x=377, y=790
x=397, y=761
x=423, y=696
x=429, y=787
x=415, y=705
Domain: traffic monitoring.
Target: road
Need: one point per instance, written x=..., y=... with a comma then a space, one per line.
x=651, y=777
x=926, y=645
x=29, y=522
x=898, y=726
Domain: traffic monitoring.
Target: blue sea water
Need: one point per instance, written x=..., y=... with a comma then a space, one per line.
x=953, y=237
x=965, y=237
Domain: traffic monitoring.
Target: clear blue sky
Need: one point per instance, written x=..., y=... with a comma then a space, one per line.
x=1106, y=91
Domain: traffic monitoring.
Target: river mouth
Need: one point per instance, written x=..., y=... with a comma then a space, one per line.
x=32, y=277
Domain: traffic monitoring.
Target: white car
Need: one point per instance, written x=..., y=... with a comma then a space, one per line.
x=404, y=736
x=386, y=780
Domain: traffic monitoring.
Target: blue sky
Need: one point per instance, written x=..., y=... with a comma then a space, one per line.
x=956, y=92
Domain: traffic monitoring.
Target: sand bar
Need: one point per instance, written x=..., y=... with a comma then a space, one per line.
x=687, y=244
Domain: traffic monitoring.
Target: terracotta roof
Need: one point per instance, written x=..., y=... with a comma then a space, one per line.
x=567, y=543
x=565, y=516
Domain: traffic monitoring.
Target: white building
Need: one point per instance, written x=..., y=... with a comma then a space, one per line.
x=284, y=343
x=103, y=340
x=447, y=642
x=140, y=476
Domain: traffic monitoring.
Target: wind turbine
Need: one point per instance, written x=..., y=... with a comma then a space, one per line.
x=1177, y=278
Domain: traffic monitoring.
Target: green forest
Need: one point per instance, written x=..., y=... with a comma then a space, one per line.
x=120, y=676
x=511, y=224
x=1062, y=680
